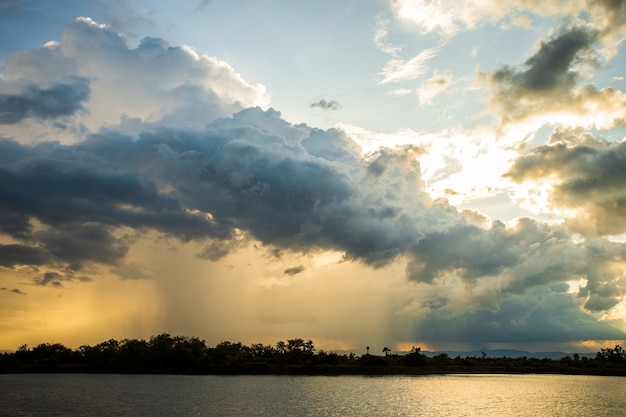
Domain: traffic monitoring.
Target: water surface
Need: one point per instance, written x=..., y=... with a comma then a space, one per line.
x=433, y=395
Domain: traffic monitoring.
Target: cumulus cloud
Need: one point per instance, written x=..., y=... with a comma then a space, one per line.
x=290, y=187
x=543, y=315
x=221, y=182
x=525, y=256
x=586, y=177
x=153, y=81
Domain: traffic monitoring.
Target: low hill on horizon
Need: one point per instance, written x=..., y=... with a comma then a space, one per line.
x=507, y=353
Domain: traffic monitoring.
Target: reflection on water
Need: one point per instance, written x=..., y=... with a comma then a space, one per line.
x=437, y=395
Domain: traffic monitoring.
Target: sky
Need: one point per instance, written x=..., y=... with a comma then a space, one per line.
x=388, y=173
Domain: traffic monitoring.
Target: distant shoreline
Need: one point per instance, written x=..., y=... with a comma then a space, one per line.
x=165, y=354
x=336, y=372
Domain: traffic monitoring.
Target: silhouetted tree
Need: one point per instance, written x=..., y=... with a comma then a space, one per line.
x=48, y=356
x=179, y=354
x=415, y=358
x=616, y=355
x=136, y=356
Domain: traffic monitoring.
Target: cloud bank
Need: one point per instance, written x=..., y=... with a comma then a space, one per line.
x=170, y=143
x=293, y=188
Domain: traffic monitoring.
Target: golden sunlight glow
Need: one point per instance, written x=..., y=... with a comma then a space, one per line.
x=80, y=313
x=409, y=346
x=596, y=345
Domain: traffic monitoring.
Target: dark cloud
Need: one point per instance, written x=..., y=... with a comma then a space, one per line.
x=550, y=68
x=327, y=105
x=589, y=178
x=289, y=186
x=52, y=278
x=541, y=316
x=76, y=243
x=469, y=249
x=295, y=270
x=215, y=250
x=292, y=187
x=252, y=172
x=63, y=98
x=527, y=256
x=14, y=290
x=548, y=80
x=14, y=254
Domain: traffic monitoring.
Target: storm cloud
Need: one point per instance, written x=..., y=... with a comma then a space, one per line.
x=543, y=315
x=291, y=187
x=168, y=144
x=288, y=186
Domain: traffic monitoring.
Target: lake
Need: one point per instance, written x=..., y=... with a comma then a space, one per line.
x=208, y=395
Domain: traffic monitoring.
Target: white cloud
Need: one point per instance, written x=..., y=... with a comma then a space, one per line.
x=152, y=82
x=435, y=85
x=457, y=165
x=399, y=92
x=397, y=70
x=450, y=16
x=380, y=36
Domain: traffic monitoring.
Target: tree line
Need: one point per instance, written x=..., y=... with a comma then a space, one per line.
x=166, y=354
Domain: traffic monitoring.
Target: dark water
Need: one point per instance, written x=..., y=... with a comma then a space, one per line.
x=438, y=395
